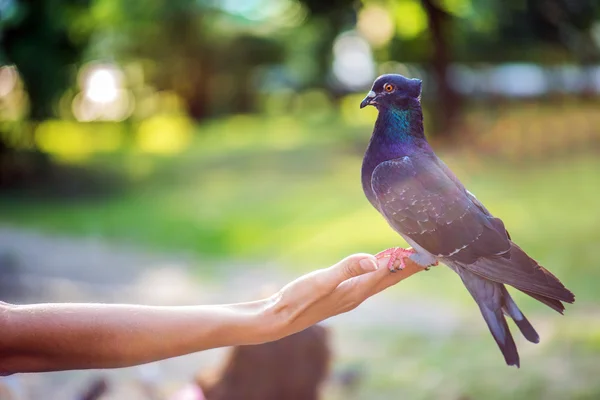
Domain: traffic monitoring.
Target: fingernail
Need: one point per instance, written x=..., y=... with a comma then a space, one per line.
x=368, y=264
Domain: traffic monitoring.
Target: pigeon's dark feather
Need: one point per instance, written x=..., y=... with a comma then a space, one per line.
x=489, y=296
x=552, y=303
x=511, y=309
x=496, y=221
x=522, y=272
x=421, y=202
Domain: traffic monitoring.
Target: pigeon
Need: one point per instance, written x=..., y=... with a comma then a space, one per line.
x=423, y=201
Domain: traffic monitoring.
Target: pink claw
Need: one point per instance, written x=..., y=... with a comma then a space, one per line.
x=395, y=253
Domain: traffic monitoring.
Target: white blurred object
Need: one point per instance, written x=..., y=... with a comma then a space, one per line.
x=353, y=64
x=149, y=373
x=8, y=79
x=518, y=80
x=102, y=84
x=103, y=96
x=12, y=387
x=464, y=79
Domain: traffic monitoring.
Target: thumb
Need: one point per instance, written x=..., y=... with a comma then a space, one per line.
x=352, y=266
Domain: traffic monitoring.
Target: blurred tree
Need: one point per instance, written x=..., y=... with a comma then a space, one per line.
x=330, y=18
x=199, y=51
x=447, y=107
x=538, y=31
x=427, y=34
x=44, y=40
x=566, y=23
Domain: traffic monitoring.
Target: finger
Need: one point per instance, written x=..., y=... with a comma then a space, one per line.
x=350, y=267
x=367, y=281
x=358, y=288
x=368, y=285
x=314, y=285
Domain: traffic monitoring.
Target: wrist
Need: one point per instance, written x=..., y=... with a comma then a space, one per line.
x=267, y=320
x=255, y=322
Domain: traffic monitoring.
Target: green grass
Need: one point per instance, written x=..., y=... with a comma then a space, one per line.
x=464, y=363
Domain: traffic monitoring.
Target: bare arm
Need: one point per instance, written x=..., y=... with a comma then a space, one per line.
x=50, y=337
x=45, y=337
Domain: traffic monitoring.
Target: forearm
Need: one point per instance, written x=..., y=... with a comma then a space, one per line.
x=76, y=336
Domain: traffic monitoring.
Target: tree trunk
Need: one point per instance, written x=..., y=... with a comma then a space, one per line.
x=448, y=104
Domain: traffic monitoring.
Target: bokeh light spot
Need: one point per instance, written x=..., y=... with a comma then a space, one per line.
x=410, y=17
x=376, y=25
x=101, y=86
x=353, y=64
x=103, y=96
x=164, y=134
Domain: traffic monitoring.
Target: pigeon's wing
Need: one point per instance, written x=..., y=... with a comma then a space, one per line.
x=470, y=195
x=422, y=202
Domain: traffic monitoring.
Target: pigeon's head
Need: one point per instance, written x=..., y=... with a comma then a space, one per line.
x=393, y=89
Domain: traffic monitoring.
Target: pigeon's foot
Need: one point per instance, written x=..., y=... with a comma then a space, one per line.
x=423, y=260
x=395, y=254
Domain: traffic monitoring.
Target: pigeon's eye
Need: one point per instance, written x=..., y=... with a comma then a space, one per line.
x=388, y=87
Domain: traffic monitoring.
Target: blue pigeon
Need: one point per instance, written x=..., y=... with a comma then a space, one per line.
x=430, y=208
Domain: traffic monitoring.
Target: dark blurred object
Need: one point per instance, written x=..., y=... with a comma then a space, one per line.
x=331, y=18
x=292, y=368
x=349, y=379
x=96, y=389
x=32, y=174
x=45, y=41
x=11, y=284
x=448, y=103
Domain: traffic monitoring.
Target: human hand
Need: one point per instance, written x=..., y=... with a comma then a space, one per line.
x=331, y=291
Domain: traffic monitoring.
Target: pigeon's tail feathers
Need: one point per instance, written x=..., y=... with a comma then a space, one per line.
x=501, y=333
x=491, y=299
x=524, y=273
x=511, y=309
x=550, y=302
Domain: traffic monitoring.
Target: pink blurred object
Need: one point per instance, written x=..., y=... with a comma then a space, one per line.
x=189, y=392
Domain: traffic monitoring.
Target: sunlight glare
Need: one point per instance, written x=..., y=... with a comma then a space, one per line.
x=353, y=64
x=101, y=85
x=103, y=95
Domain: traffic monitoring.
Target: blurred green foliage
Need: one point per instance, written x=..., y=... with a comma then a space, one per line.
x=45, y=39
x=242, y=189
x=215, y=56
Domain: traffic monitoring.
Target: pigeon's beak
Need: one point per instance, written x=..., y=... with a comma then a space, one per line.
x=368, y=100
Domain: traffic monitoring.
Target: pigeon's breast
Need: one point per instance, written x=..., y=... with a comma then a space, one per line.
x=370, y=162
x=377, y=152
